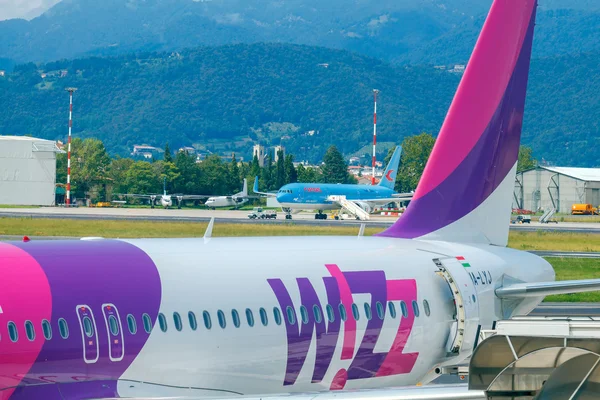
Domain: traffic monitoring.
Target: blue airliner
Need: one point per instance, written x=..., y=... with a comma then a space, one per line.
x=327, y=196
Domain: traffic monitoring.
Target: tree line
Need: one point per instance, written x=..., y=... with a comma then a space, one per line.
x=97, y=176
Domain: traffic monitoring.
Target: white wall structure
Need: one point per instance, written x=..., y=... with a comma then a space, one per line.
x=542, y=188
x=27, y=170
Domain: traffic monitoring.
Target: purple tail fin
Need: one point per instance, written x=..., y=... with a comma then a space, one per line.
x=465, y=192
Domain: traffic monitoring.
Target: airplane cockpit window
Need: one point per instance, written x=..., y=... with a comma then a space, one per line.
x=235, y=316
x=263, y=316
x=131, y=324
x=368, y=311
x=162, y=322
x=147, y=323
x=63, y=328
x=426, y=308
x=177, y=321
x=404, y=309
x=343, y=315
x=249, y=317
x=317, y=313
x=221, y=318
x=12, y=331
x=30, y=331
x=290, y=315
x=304, y=315
x=88, y=328
x=355, y=311
x=47, y=328
x=415, y=307
x=192, y=319
x=392, y=309
x=277, y=315
x=206, y=318
x=330, y=314
x=380, y=310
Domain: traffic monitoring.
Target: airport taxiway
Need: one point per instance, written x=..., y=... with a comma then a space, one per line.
x=241, y=216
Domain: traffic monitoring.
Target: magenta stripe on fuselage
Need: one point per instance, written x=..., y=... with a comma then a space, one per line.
x=91, y=273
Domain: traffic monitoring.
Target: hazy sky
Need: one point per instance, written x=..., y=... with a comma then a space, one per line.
x=24, y=8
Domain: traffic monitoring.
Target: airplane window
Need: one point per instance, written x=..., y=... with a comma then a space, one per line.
x=177, y=321
x=12, y=331
x=380, y=310
x=221, y=318
x=147, y=323
x=235, y=316
x=162, y=321
x=63, y=328
x=29, y=330
x=343, y=315
x=114, y=325
x=131, y=324
x=355, y=311
x=192, y=320
x=263, y=316
x=404, y=309
x=330, y=314
x=250, y=317
x=277, y=315
x=415, y=307
x=368, y=311
x=317, y=312
x=392, y=309
x=47, y=328
x=207, y=321
x=304, y=314
x=426, y=308
x=290, y=315
x=88, y=327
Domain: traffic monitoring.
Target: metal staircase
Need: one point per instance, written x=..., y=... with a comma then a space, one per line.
x=350, y=207
x=547, y=216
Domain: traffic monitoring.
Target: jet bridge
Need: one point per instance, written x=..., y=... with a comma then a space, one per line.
x=538, y=358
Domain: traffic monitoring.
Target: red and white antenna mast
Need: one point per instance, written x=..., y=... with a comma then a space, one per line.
x=375, y=93
x=70, y=90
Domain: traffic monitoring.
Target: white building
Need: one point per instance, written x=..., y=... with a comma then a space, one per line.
x=27, y=170
x=259, y=152
x=542, y=188
x=277, y=149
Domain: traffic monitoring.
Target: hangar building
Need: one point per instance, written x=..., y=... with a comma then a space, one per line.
x=27, y=170
x=543, y=188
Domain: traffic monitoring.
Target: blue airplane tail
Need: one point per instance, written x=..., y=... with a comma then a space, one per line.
x=388, y=180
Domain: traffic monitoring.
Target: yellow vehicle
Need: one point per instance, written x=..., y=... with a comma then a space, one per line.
x=583, y=209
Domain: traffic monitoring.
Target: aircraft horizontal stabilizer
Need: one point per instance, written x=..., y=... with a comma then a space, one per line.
x=539, y=289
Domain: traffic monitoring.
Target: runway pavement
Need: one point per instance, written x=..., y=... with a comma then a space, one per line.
x=234, y=216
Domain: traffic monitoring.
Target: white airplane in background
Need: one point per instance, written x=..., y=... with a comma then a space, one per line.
x=215, y=318
x=235, y=200
x=165, y=200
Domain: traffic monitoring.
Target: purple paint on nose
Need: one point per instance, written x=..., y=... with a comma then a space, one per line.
x=93, y=274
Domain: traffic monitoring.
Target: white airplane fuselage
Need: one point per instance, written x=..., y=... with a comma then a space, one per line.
x=300, y=278
x=166, y=201
x=224, y=201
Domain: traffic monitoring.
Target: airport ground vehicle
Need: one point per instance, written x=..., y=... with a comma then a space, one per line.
x=522, y=219
x=259, y=213
x=583, y=209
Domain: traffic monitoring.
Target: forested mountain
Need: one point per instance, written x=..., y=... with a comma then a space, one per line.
x=312, y=97
x=402, y=31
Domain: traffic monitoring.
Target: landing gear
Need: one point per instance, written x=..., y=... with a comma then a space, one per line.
x=320, y=215
x=288, y=213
